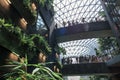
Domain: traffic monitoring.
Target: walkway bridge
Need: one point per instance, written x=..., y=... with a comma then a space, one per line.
x=83, y=31
x=103, y=68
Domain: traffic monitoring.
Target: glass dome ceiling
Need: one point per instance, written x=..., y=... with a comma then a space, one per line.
x=77, y=11
x=80, y=47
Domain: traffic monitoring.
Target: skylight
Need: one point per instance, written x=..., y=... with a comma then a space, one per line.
x=76, y=10
x=80, y=47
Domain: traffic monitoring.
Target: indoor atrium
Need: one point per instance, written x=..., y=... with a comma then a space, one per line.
x=60, y=40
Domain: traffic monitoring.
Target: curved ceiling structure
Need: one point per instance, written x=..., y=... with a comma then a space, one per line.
x=77, y=12
x=80, y=47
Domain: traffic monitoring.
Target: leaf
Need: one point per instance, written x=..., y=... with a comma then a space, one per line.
x=53, y=74
x=2, y=21
x=35, y=70
x=7, y=25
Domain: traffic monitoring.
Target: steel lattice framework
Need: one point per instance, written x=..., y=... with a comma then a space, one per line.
x=80, y=47
x=75, y=11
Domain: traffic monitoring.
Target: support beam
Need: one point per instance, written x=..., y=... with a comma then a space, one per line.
x=46, y=16
x=113, y=26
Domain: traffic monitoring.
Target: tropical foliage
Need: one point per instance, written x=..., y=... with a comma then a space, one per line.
x=40, y=72
x=60, y=50
x=108, y=45
x=42, y=3
x=16, y=40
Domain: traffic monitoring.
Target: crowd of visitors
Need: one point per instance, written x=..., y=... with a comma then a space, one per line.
x=86, y=59
x=73, y=22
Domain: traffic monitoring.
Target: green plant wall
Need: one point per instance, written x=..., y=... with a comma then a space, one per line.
x=13, y=38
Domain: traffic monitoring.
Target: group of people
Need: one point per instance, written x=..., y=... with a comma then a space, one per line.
x=86, y=59
x=73, y=22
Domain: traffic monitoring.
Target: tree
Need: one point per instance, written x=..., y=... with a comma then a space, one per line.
x=108, y=45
